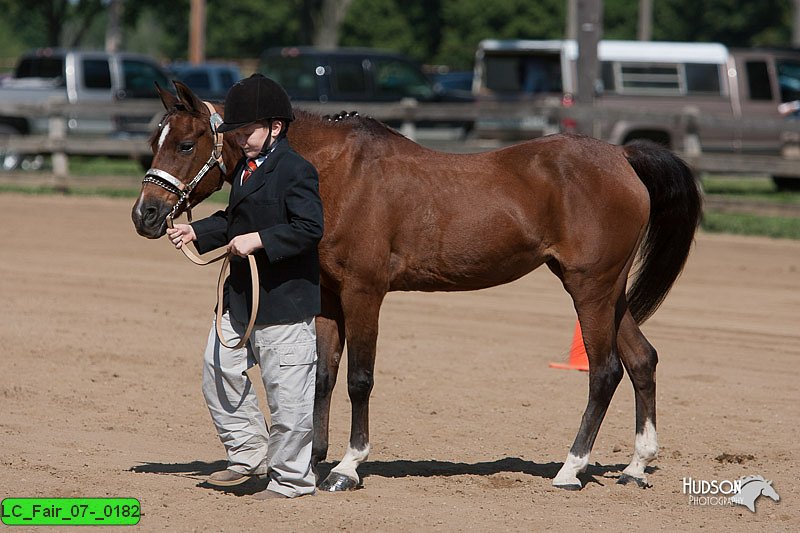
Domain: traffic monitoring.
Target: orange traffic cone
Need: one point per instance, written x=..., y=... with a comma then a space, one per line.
x=577, y=353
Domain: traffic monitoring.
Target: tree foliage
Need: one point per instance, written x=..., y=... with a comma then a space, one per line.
x=432, y=31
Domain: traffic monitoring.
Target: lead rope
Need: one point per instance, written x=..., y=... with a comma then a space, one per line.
x=226, y=259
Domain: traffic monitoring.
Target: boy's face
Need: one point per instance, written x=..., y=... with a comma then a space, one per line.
x=251, y=138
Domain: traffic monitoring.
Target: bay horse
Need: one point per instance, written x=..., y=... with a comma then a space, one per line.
x=401, y=217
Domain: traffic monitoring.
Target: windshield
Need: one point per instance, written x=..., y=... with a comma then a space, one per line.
x=298, y=75
x=789, y=80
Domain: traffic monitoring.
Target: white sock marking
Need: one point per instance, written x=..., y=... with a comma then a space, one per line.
x=645, y=449
x=568, y=475
x=347, y=466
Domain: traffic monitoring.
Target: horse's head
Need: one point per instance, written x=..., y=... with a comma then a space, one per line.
x=187, y=164
x=769, y=491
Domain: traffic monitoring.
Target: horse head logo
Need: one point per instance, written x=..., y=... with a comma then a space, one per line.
x=751, y=488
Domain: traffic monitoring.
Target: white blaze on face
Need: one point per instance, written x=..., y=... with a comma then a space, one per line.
x=163, y=136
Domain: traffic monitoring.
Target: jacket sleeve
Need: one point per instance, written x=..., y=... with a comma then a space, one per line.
x=211, y=232
x=304, y=212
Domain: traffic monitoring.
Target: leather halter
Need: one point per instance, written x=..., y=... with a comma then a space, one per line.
x=173, y=185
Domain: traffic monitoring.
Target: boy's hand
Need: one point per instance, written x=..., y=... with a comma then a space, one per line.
x=244, y=245
x=181, y=234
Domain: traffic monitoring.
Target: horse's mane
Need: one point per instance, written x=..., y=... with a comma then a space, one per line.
x=748, y=479
x=351, y=120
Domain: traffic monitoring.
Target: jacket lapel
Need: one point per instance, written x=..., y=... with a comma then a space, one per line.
x=258, y=178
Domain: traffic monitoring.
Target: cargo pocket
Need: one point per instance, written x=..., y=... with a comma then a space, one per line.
x=297, y=374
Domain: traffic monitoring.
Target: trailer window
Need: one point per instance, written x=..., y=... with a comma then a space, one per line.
x=702, y=78
x=637, y=78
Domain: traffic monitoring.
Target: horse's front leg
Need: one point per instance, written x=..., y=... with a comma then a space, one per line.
x=330, y=344
x=361, y=308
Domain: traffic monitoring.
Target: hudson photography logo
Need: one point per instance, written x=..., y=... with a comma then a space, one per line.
x=743, y=491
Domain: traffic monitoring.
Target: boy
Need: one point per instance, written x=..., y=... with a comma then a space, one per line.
x=274, y=213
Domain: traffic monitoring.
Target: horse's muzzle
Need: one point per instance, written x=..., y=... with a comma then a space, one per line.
x=150, y=217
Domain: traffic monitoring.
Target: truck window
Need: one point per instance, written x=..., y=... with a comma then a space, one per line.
x=140, y=79
x=298, y=75
x=789, y=80
x=40, y=67
x=96, y=74
x=758, y=80
x=529, y=73
x=400, y=79
x=348, y=77
x=198, y=80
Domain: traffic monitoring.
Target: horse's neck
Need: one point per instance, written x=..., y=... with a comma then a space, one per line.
x=231, y=153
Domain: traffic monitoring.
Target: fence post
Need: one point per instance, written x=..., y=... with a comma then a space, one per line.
x=57, y=133
x=409, y=126
x=691, y=135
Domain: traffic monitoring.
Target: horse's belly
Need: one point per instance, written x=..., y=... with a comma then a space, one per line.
x=470, y=270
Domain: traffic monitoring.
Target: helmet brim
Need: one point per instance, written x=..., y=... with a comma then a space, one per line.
x=225, y=127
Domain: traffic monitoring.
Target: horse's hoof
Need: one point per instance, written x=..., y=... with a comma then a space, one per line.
x=336, y=482
x=625, y=479
x=569, y=486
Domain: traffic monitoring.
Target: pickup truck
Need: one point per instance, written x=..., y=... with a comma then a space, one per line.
x=75, y=76
x=709, y=82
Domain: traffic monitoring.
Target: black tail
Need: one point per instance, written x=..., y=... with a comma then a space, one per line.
x=676, y=208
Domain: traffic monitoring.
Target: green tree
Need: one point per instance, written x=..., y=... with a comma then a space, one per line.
x=467, y=22
x=38, y=23
x=731, y=22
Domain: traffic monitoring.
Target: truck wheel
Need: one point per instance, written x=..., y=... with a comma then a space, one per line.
x=786, y=183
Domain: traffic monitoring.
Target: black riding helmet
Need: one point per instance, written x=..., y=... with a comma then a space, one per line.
x=255, y=99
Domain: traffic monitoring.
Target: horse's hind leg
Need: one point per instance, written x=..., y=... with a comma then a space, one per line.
x=361, y=307
x=596, y=302
x=330, y=343
x=640, y=359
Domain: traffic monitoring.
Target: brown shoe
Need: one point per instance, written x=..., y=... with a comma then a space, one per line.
x=227, y=478
x=267, y=494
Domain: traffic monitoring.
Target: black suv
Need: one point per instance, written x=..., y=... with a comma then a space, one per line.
x=351, y=75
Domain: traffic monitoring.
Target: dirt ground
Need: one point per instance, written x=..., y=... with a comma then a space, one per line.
x=102, y=337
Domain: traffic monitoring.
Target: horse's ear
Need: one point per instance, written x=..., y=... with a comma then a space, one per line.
x=188, y=98
x=167, y=98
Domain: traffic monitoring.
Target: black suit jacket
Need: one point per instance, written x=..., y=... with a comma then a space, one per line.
x=281, y=202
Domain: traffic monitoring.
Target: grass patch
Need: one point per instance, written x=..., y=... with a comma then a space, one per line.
x=759, y=188
x=745, y=224
x=104, y=166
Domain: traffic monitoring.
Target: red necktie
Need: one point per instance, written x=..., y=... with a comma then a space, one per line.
x=249, y=169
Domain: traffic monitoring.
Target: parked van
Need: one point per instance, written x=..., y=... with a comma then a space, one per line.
x=658, y=77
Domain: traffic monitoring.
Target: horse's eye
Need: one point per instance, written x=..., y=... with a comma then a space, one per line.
x=186, y=146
